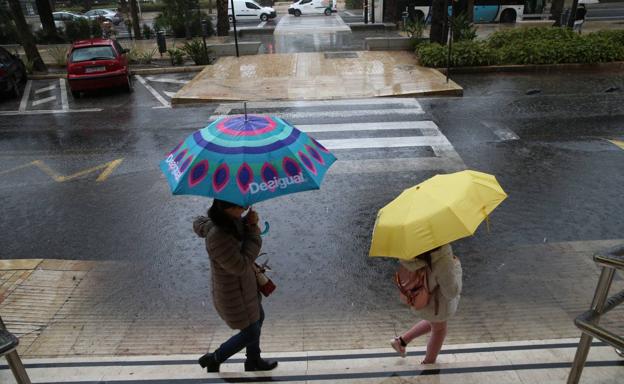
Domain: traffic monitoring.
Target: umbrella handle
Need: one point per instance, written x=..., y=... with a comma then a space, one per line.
x=266, y=229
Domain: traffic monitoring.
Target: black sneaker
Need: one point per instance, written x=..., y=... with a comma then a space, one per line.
x=209, y=362
x=260, y=364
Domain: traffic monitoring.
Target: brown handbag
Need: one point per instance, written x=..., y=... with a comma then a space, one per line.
x=265, y=285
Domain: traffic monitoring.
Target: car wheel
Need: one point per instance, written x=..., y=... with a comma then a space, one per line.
x=508, y=16
x=327, y=12
x=129, y=86
x=15, y=88
x=297, y=13
x=264, y=17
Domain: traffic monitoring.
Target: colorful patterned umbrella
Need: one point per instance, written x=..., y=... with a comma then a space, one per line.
x=246, y=159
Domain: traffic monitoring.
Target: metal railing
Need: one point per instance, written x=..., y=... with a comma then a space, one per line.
x=588, y=322
x=15, y=363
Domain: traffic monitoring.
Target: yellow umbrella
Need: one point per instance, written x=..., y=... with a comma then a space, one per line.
x=435, y=212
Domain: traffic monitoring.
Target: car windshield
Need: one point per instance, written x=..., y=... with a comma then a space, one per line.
x=102, y=52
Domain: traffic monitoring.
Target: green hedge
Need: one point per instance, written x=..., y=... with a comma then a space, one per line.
x=528, y=46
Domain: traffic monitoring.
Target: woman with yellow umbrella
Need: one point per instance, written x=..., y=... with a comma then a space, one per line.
x=417, y=228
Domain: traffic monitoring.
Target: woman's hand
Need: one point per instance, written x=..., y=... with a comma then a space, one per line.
x=251, y=218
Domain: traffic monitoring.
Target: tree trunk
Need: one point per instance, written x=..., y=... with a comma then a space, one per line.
x=223, y=24
x=187, y=24
x=439, y=22
x=26, y=36
x=47, y=21
x=136, y=23
x=556, y=9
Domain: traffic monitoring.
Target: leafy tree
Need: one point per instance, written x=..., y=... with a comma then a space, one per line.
x=26, y=37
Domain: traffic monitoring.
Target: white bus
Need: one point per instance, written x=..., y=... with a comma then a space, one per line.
x=485, y=11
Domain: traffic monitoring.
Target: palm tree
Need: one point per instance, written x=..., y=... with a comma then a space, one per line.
x=439, y=22
x=47, y=20
x=26, y=36
x=134, y=14
x=223, y=24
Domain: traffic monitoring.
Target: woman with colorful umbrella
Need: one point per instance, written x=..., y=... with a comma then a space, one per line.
x=239, y=161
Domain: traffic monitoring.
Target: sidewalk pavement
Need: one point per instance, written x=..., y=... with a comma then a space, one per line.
x=315, y=76
x=85, y=309
x=544, y=361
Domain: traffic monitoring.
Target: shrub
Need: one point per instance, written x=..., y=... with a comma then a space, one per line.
x=147, y=32
x=432, y=55
x=354, y=4
x=176, y=55
x=473, y=53
x=195, y=50
x=514, y=36
x=415, y=29
x=173, y=19
x=463, y=28
x=59, y=54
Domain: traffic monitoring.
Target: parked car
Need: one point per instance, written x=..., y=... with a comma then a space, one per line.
x=61, y=17
x=97, y=63
x=311, y=7
x=104, y=15
x=12, y=73
x=250, y=10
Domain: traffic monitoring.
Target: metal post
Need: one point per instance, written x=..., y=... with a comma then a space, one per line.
x=373, y=11
x=450, y=46
x=234, y=24
x=600, y=297
x=365, y=11
x=15, y=363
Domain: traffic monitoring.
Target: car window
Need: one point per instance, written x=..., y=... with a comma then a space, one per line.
x=57, y=17
x=97, y=52
x=304, y=2
x=252, y=6
x=118, y=47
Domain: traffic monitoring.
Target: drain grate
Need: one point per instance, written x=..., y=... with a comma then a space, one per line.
x=341, y=55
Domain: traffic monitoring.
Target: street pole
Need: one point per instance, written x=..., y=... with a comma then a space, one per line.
x=203, y=26
x=572, y=17
x=234, y=23
x=365, y=11
x=373, y=11
x=450, y=46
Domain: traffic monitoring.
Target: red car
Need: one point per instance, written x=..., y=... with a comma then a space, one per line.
x=97, y=63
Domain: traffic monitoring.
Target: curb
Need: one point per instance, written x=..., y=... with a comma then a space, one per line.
x=256, y=31
x=377, y=26
x=616, y=65
x=137, y=71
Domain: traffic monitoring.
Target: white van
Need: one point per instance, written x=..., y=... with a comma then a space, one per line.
x=250, y=10
x=311, y=7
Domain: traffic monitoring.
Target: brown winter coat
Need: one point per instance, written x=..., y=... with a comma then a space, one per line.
x=234, y=287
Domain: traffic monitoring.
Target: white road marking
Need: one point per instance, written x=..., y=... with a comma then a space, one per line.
x=64, y=102
x=25, y=96
x=343, y=114
x=167, y=80
x=350, y=14
x=225, y=108
x=48, y=111
x=430, y=126
x=44, y=100
x=504, y=134
x=262, y=24
x=384, y=142
x=170, y=94
x=157, y=95
x=45, y=89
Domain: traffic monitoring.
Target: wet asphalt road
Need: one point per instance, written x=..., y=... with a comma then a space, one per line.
x=547, y=148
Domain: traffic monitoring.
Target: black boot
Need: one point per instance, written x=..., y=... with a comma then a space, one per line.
x=259, y=364
x=208, y=361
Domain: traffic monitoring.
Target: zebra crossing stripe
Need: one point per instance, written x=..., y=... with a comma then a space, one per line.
x=226, y=108
x=384, y=142
x=425, y=125
x=25, y=96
